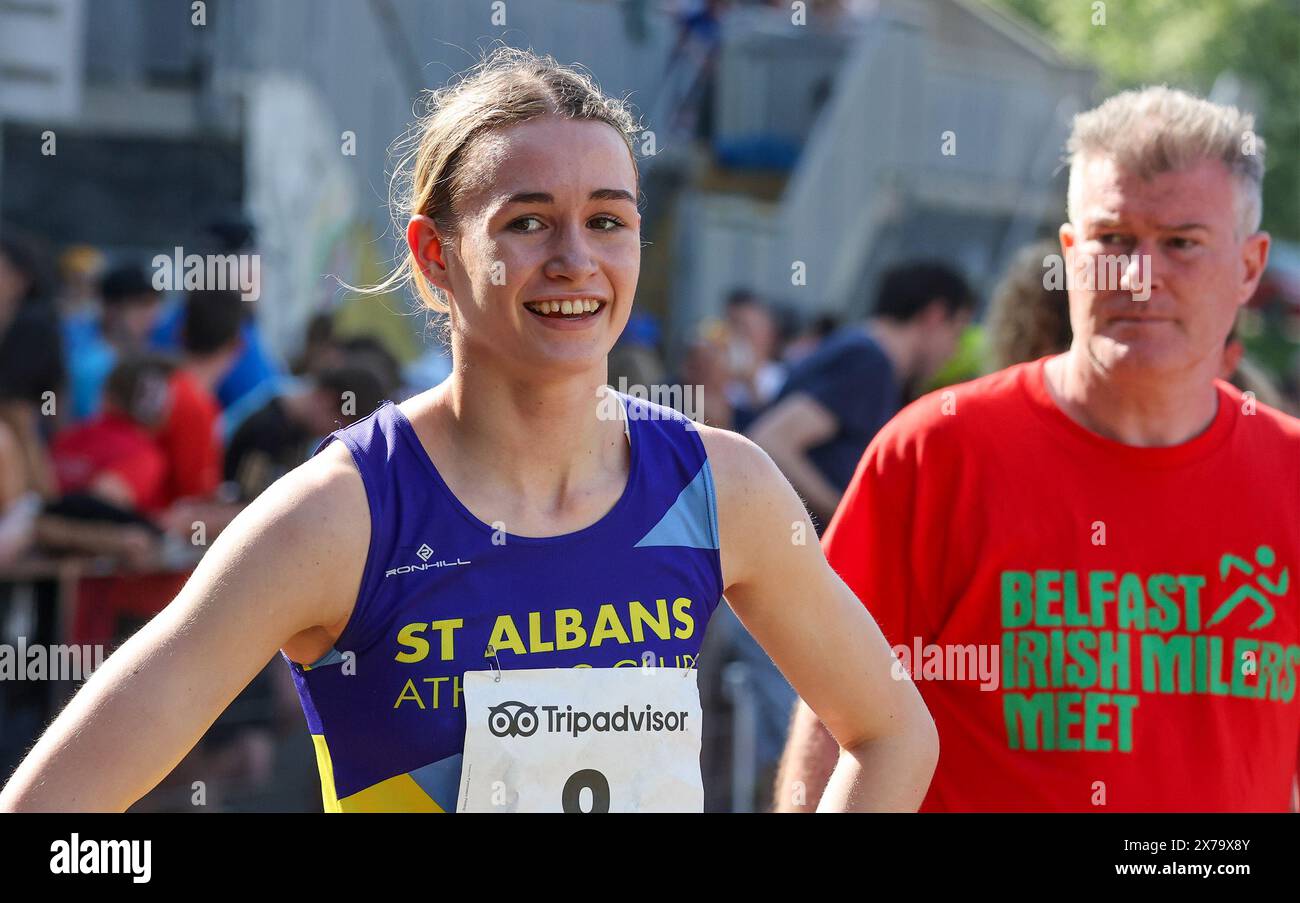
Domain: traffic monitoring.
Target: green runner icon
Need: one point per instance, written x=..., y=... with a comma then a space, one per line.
x=1265, y=558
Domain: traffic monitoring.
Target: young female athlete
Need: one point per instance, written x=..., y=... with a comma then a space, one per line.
x=504, y=508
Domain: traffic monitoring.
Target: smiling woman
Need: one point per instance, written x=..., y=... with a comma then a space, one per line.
x=531, y=513
x=528, y=241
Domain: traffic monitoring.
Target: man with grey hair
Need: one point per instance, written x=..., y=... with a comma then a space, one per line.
x=1088, y=562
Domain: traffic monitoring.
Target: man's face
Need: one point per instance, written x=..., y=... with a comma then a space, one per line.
x=1158, y=269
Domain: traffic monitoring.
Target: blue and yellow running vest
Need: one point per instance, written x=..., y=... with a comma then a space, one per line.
x=384, y=706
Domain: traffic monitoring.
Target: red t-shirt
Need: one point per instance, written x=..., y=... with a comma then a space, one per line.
x=1134, y=609
x=111, y=443
x=190, y=440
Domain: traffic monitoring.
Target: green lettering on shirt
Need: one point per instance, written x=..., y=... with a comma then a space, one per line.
x=1029, y=720
x=1162, y=659
x=1017, y=605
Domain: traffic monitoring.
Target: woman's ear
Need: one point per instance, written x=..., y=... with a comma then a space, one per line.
x=427, y=245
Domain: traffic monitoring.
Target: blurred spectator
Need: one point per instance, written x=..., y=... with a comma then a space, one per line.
x=705, y=369
x=836, y=399
x=31, y=355
x=1248, y=376
x=325, y=350
x=371, y=353
x=1026, y=320
x=81, y=269
x=280, y=436
x=756, y=375
x=94, y=345
x=635, y=357
x=254, y=365
x=190, y=437
x=320, y=348
x=113, y=456
x=806, y=337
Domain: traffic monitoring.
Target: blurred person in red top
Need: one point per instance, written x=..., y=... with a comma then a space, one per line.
x=113, y=456
x=190, y=437
x=1088, y=562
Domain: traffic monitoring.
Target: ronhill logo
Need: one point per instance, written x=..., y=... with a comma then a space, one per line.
x=424, y=553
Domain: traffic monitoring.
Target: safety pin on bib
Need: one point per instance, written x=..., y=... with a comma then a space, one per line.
x=647, y=663
x=496, y=671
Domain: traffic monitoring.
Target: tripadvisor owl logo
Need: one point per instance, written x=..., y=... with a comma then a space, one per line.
x=512, y=719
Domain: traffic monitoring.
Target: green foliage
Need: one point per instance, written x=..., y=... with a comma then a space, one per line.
x=1189, y=44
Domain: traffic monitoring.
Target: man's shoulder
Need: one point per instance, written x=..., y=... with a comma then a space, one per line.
x=1272, y=424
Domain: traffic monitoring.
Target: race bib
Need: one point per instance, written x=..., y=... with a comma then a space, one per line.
x=582, y=740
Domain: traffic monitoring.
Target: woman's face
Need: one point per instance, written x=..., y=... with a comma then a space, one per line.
x=549, y=223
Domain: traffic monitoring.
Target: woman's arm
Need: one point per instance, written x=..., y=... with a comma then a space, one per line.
x=819, y=635
x=291, y=563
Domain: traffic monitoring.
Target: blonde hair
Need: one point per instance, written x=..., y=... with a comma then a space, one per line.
x=507, y=86
x=1161, y=129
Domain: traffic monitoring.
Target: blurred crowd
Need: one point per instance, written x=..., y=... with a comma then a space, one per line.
x=151, y=411
x=136, y=423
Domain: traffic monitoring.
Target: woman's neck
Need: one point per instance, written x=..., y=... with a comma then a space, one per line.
x=538, y=437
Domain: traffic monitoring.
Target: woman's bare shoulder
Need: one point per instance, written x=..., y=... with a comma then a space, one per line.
x=758, y=509
x=314, y=523
x=741, y=470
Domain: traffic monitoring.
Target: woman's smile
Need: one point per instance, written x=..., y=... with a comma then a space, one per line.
x=567, y=312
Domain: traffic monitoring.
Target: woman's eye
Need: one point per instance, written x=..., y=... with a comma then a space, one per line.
x=607, y=223
x=1111, y=238
x=522, y=224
